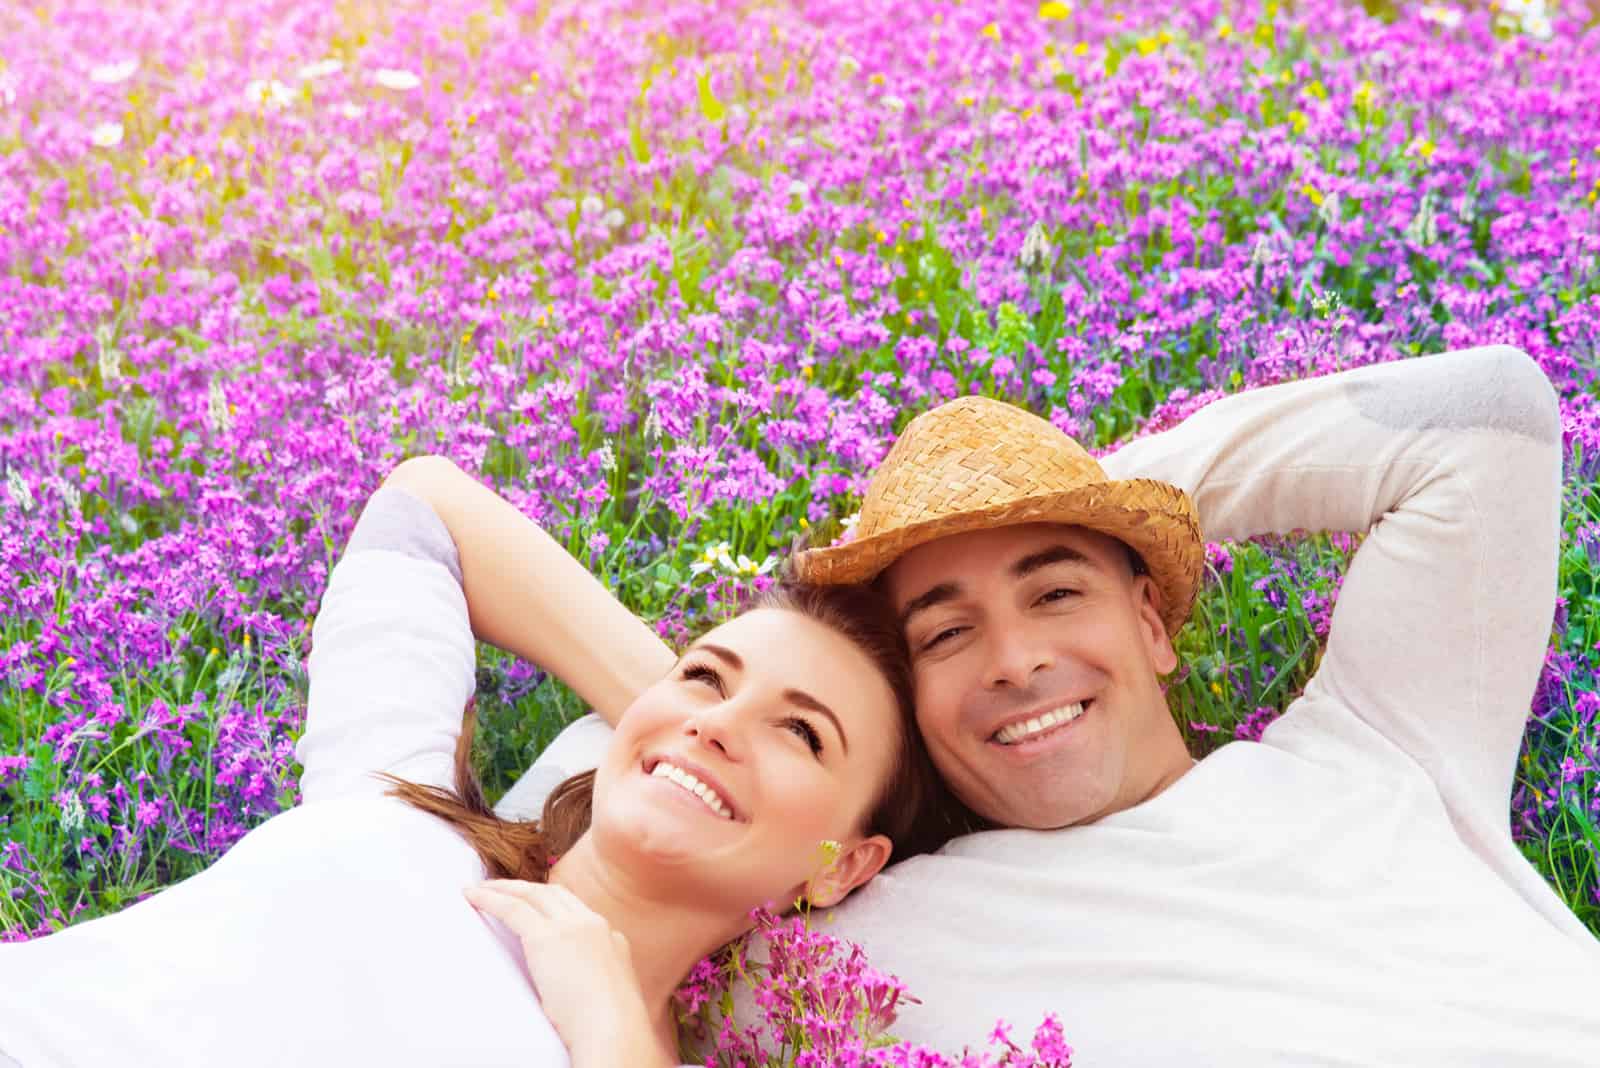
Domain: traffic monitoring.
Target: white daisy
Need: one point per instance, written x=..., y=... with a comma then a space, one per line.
x=401, y=81
x=113, y=73
x=106, y=135
x=268, y=94
x=1447, y=17
x=322, y=68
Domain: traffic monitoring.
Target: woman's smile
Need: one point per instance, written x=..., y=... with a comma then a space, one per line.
x=693, y=784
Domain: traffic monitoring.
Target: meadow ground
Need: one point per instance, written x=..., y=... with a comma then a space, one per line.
x=671, y=280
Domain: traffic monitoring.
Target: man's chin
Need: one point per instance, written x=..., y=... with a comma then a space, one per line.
x=1033, y=800
x=1036, y=821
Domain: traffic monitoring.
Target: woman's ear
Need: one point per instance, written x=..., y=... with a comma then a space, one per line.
x=854, y=865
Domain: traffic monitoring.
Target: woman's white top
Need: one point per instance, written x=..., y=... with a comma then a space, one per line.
x=336, y=932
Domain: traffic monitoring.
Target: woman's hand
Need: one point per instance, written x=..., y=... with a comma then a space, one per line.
x=581, y=968
x=513, y=572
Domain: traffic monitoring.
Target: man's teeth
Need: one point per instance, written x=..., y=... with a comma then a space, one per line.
x=1016, y=732
x=713, y=801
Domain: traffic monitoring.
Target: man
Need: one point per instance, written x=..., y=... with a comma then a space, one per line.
x=1345, y=891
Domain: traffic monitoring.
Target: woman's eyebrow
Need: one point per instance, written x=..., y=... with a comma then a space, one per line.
x=734, y=660
x=805, y=700
x=793, y=696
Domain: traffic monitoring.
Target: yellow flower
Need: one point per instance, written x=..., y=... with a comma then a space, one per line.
x=1365, y=97
x=1425, y=149
x=1311, y=194
x=883, y=238
x=991, y=31
x=1298, y=121
x=1054, y=11
x=1081, y=48
x=1224, y=28
x=1216, y=688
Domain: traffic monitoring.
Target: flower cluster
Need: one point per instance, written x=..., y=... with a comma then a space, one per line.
x=817, y=1003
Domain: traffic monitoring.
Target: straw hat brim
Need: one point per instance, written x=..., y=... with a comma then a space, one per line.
x=1156, y=519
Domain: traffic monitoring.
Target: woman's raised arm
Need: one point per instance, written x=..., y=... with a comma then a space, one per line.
x=526, y=595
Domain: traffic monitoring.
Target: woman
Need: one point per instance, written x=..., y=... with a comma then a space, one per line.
x=337, y=933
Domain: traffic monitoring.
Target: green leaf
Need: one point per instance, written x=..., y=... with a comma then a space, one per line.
x=712, y=108
x=637, y=141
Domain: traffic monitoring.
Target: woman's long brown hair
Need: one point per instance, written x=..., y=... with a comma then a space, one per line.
x=912, y=809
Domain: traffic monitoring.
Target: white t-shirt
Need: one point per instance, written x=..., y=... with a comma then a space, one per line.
x=1345, y=892
x=336, y=932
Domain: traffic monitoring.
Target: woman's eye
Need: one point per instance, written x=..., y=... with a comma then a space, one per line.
x=705, y=674
x=943, y=635
x=806, y=732
x=1057, y=594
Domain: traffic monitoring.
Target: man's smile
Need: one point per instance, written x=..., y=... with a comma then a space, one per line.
x=1027, y=732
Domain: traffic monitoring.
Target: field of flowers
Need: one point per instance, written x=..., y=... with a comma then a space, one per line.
x=670, y=276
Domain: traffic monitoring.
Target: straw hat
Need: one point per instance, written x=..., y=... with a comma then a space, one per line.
x=977, y=463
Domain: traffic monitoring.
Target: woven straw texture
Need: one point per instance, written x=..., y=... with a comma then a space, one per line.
x=975, y=463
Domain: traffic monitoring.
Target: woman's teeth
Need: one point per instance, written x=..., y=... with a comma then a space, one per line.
x=1016, y=732
x=663, y=770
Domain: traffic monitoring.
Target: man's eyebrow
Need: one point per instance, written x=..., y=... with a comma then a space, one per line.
x=945, y=591
x=798, y=697
x=805, y=700
x=1055, y=554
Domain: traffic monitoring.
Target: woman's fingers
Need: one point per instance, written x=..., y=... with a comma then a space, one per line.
x=513, y=911
x=531, y=894
x=553, y=901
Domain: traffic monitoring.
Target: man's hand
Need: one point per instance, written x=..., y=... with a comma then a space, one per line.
x=582, y=969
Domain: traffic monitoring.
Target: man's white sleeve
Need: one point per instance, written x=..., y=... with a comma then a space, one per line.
x=1450, y=465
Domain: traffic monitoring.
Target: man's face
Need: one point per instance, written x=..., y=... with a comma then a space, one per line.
x=1036, y=652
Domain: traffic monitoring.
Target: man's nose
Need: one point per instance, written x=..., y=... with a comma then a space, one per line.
x=1014, y=658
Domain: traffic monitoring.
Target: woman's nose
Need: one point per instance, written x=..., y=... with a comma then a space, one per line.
x=717, y=726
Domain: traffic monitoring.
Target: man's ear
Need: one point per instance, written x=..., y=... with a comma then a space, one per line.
x=854, y=865
x=1154, y=632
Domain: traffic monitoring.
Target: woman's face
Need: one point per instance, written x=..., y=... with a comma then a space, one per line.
x=772, y=735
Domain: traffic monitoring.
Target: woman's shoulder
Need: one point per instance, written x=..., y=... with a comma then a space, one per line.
x=376, y=834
